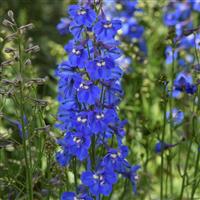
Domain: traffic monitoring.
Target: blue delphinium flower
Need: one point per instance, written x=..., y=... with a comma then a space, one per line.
x=115, y=158
x=63, y=158
x=82, y=15
x=63, y=26
x=100, y=68
x=89, y=91
x=74, y=196
x=184, y=83
x=77, y=54
x=106, y=29
x=99, y=182
x=78, y=143
x=177, y=116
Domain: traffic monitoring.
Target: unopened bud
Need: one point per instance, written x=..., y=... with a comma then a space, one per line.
x=28, y=62
x=7, y=63
x=25, y=27
x=11, y=15
x=9, y=50
x=33, y=49
x=11, y=37
x=7, y=23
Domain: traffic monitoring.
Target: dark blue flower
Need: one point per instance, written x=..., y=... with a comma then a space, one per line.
x=63, y=158
x=77, y=54
x=77, y=143
x=131, y=174
x=100, y=68
x=101, y=119
x=87, y=92
x=106, y=29
x=115, y=158
x=82, y=15
x=99, y=182
x=184, y=83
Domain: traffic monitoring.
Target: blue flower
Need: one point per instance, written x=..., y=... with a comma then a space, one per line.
x=82, y=15
x=177, y=116
x=63, y=26
x=74, y=196
x=132, y=29
x=99, y=182
x=162, y=146
x=115, y=158
x=77, y=54
x=76, y=30
x=101, y=119
x=131, y=174
x=184, y=83
x=196, y=5
x=100, y=68
x=77, y=143
x=80, y=120
x=171, y=18
x=169, y=55
x=87, y=92
x=106, y=29
x=63, y=158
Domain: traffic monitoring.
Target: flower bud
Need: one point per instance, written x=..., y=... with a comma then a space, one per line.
x=33, y=49
x=11, y=15
x=7, y=23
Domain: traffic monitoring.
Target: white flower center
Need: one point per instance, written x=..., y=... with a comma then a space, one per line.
x=81, y=119
x=113, y=155
x=77, y=140
x=75, y=51
x=81, y=12
x=100, y=116
x=101, y=63
x=108, y=25
x=85, y=87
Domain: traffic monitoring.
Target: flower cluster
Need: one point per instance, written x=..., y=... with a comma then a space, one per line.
x=178, y=17
x=89, y=93
x=184, y=39
x=132, y=32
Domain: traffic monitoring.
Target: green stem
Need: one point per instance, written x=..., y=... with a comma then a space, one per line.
x=22, y=113
x=75, y=174
x=185, y=170
x=171, y=122
x=194, y=186
x=162, y=153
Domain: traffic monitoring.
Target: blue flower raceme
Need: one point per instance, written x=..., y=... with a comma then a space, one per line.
x=131, y=31
x=89, y=91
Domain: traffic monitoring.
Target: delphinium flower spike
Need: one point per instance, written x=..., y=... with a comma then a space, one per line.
x=89, y=93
